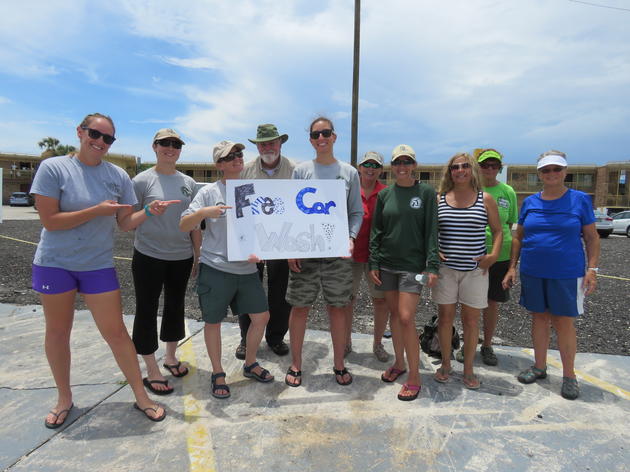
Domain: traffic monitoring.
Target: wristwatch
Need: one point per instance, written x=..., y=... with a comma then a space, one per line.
x=594, y=269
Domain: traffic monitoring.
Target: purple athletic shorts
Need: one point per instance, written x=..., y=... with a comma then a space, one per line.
x=53, y=280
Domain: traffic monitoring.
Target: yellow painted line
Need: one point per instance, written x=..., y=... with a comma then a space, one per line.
x=614, y=389
x=198, y=437
x=612, y=277
x=35, y=244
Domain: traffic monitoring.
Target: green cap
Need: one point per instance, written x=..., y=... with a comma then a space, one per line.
x=268, y=132
x=490, y=154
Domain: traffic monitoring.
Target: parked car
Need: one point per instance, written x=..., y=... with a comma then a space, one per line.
x=21, y=199
x=621, y=223
x=603, y=223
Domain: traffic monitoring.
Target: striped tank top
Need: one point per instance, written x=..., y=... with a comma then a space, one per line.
x=462, y=233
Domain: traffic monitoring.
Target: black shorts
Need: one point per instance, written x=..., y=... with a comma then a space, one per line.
x=496, y=274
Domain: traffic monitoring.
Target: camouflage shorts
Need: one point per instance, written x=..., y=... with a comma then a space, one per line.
x=332, y=275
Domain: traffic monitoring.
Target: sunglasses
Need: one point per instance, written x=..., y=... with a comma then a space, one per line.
x=231, y=156
x=403, y=162
x=326, y=133
x=371, y=165
x=546, y=170
x=170, y=143
x=465, y=165
x=95, y=134
x=488, y=165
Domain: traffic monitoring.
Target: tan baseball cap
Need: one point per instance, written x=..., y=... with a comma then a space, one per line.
x=223, y=148
x=403, y=150
x=371, y=156
x=166, y=133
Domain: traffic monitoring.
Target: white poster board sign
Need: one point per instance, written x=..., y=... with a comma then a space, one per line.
x=286, y=219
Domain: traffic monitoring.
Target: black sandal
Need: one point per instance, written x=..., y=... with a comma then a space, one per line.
x=264, y=376
x=293, y=373
x=341, y=373
x=215, y=388
x=174, y=369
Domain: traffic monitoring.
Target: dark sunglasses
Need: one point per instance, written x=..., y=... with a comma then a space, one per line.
x=231, y=156
x=403, y=162
x=488, y=165
x=175, y=144
x=546, y=170
x=465, y=165
x=95, y=134
x=326, y=133
x=371, y=165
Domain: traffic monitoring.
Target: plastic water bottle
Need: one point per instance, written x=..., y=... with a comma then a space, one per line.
x=422, y=279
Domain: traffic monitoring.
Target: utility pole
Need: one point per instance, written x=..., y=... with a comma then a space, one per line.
x=355, y=81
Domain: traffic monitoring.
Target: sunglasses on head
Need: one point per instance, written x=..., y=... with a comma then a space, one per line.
x=175, y=144
x=546, y=170
x=371, y=165
x=489, y=165
x=465, y=165
x=231, y=156
x=95, y=134
x=403, y=162
x=326, y=133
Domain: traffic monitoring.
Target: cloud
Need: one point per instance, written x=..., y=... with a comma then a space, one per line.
x=4, y=100
x=191, y=63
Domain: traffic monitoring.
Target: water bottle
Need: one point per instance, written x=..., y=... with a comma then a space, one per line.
x=422, y=279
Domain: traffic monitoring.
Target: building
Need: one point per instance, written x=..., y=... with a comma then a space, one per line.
x=18, y=170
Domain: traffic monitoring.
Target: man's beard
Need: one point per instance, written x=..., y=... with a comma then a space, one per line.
x=269, y=158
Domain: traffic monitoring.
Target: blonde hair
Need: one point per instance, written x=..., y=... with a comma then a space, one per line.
x=447, y=184
x=88, y=119
x=553, y=152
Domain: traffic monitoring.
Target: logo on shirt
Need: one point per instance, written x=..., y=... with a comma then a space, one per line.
x=503, y=202
x=415, y=203
x=186, y=191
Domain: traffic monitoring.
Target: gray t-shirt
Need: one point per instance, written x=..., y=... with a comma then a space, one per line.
x=160, y=236
x=77, y=186
x=214, y=243
x=338, y=170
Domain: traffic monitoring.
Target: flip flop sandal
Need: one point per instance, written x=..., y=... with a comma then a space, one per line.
x=148, y=384
x=471, y=382
x=145, y=410
x=263, y=377
x=409, y=388
x=54, y=424
x=441, y=375
x=387, y=375
x=216, y=388
x=341, y=373
x=174, y=369
x=296, y=374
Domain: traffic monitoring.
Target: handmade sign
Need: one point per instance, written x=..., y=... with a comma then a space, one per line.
x=286, y=219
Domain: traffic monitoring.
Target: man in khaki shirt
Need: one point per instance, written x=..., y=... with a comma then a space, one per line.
x=270, y=164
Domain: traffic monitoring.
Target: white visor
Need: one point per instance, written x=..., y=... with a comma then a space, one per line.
x=550, y=160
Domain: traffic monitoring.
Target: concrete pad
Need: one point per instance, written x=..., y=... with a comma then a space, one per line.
x=322, y=425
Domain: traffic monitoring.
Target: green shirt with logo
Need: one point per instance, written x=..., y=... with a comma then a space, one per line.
x=505, y=197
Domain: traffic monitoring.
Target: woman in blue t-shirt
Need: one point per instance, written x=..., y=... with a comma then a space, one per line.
x=548, y=240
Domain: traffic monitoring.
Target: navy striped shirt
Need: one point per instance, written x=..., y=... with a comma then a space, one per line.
x=462, y=233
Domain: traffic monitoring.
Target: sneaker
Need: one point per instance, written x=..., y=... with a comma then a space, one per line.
x=459, y=355
x=280, y=349
x=487, y=356
x=241, y=350
x=531, y=374
x=570, y=389
x=380, y=353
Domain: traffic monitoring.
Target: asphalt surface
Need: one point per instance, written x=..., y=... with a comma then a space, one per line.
x=604, y=328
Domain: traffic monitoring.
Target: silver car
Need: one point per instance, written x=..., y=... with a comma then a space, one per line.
x=20, y=199
x=621, y=223
x=603, y=223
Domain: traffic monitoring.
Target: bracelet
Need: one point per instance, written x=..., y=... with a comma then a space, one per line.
x=147, y=211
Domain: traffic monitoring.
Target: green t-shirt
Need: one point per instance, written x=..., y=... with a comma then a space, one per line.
x=505, y=197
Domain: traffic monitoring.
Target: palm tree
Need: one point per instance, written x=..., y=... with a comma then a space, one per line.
x=49, y=143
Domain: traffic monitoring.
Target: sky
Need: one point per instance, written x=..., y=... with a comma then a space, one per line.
x=442, y=76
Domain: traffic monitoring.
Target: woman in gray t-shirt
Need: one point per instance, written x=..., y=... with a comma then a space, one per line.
x=80, y=198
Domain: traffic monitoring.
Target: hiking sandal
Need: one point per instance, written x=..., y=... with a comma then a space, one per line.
x=531, y=374
x=570, y=389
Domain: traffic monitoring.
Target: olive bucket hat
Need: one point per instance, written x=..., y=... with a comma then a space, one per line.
x=268, y=132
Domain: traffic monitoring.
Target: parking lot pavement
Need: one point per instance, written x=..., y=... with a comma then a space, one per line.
x=18, y=213
x=319, y=426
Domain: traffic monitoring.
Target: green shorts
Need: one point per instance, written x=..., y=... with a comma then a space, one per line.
x=217, y=290
x=332, y=275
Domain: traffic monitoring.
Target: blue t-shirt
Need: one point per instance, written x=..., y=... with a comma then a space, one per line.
x=77, y=186
x=552, y=244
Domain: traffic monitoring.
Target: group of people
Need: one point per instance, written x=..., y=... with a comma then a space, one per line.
x=458, y=242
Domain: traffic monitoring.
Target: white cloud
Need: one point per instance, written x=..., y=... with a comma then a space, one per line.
x=190, y=63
